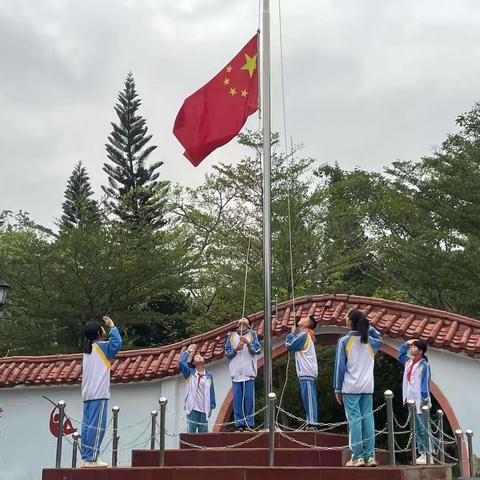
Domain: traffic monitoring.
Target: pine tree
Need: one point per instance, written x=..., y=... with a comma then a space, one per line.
x=79, y=210
x=134, y=193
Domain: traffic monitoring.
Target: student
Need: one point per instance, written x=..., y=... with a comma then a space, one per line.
x=301, y=340
x=199, y=392
x=416, y=386
x=97, y=359
x=242, y=347
x=353, y=385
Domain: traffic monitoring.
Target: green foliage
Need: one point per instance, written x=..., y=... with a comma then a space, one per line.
x=79, y=210
x=61, y=282
x=136, y=196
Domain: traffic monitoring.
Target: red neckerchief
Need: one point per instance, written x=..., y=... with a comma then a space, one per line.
x=410, y=368
x=200, y=376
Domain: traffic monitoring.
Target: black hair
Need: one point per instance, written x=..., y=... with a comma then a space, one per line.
x=92, y=332
x=360, y=323
x=422, y=345
x=248, y=321
x=312, y=324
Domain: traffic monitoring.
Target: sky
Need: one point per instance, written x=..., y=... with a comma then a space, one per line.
x=366, y=82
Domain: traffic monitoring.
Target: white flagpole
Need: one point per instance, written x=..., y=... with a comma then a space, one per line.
x=267, y=211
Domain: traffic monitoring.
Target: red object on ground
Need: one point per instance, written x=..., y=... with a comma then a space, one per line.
x=216, y=113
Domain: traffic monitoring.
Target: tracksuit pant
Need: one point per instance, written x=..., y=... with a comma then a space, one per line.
x=361, y=424
x=94, y=423
x=308, y=390
x=244, y=403
x=197, y=422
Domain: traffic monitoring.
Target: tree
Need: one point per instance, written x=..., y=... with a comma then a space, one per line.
x=79, y=210
x=425, y=221
x=346, y=249
x=135, y=194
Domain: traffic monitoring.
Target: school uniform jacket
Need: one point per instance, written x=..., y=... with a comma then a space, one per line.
x=418, y=388
x=354, y=362
x=96, y=367
x=305, y=355
x=243, y=364
x=192, y=382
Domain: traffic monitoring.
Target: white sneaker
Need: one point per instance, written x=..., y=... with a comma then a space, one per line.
x=97, y=464
x=359, y=462
x=422, y=459
x=371, y=462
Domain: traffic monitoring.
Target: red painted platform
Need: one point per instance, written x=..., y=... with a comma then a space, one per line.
x=319, y=439
x=243, y=457
x=249, y=462
x=251, y=473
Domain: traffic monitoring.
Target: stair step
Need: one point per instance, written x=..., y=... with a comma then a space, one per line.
x=222, y=439
x=284, y=457
x=251, y=473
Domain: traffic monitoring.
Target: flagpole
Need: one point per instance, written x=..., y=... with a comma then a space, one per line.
x=267, y=214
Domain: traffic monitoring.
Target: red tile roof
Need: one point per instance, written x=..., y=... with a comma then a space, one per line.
x=394, y=319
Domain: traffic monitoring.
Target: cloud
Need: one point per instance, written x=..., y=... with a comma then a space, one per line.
x=365, y=82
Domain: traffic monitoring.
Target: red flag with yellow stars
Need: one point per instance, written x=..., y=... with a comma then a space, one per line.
x=216, y=113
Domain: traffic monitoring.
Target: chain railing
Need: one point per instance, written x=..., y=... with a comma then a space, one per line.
x=438, y=443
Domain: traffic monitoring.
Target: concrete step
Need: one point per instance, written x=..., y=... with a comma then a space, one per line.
x=284, y=457
x=319, y=439
x=251, y=473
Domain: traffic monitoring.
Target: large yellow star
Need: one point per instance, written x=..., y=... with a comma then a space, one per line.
x=251, y=64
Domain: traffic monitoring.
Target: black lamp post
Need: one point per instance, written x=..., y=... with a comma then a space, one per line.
x=4, y=290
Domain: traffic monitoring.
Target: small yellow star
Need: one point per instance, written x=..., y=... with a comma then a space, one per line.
x=226, y=81
x=251, y=64
x=233, y=91
x=244, y=93
x=229, y=69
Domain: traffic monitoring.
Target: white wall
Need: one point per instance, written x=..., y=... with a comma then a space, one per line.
x=27, y=446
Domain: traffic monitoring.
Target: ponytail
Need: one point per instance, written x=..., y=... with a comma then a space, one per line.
x=92, y=332
x=88, y=347
x=360, y=323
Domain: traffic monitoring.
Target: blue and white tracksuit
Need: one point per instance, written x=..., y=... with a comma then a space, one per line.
x=243, y=371
x=418, y=389
x=96, y=392
x=353, y=378
x=302, y=343
x=199, y=396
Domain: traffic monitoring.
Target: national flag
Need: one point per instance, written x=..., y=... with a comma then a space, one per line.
x=214, y=114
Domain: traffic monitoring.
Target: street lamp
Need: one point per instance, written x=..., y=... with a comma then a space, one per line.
x=4, y=290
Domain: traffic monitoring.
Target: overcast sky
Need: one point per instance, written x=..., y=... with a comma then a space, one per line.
x=367, y=81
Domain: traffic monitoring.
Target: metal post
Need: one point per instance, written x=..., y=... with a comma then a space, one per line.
x=459, y=437
x=153, y=431
x=163, y=406
x=426, y=426
x=412, y=408
x=61, y=417
x=390, y=427
x=115, y=411
x=75, y=437
x=471, y=462
x=441, y=437
x=272, y=398
x=267, y=234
